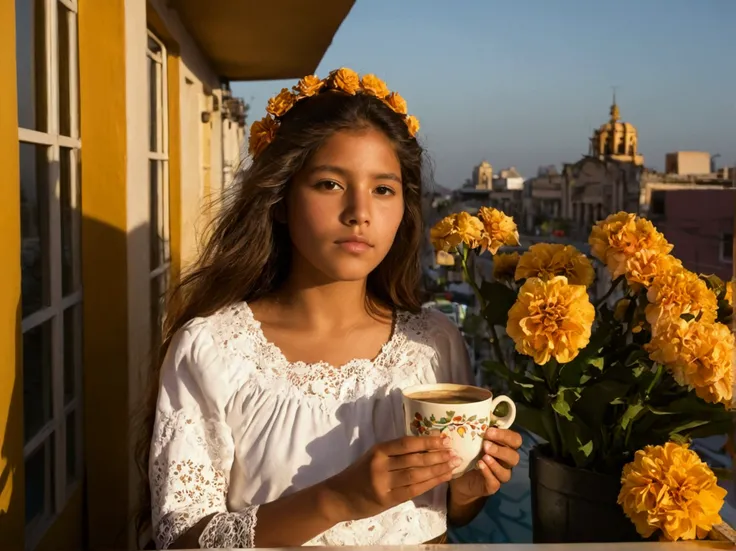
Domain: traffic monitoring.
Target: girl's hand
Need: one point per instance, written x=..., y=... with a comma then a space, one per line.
x=494, y=468
x=391, y=473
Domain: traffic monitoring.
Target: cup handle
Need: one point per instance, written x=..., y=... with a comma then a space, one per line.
x=507, y=420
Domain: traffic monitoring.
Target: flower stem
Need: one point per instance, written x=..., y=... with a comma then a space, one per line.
x=495, y=343
x=615, y=284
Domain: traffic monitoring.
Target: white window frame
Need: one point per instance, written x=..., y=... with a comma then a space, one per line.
x=722, y=248
x=161, y=157
x=58, y=303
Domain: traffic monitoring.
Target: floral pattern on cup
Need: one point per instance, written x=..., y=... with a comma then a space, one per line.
x=461, y=424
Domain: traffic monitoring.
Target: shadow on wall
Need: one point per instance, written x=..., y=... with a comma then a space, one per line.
x=98, y=509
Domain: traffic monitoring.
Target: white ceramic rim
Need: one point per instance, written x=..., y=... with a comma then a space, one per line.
x=446, y=386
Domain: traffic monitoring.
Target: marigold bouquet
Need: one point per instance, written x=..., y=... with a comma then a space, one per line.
x=619, y=388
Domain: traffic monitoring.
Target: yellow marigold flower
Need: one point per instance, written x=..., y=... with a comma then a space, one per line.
x=644, y=266
x=729, y=293
x=614, y=240
x=309, y=86
x=374, y=86
x=457, y=228
x=500, y=229
x=412, y=123
x=281, y=103
x=396, y=102
x=546, y=260
x=504, y=266
x=262, y=133
x=551, y=319
x=669, y=488
x=344, y=79
x=678, y=291
x=699, y=355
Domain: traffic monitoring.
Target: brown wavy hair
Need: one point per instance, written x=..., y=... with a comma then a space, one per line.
x=247, y=253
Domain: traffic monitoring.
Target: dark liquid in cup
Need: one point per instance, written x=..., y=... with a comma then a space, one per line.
x=446, y=397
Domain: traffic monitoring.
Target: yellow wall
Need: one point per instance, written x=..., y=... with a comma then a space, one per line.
x=12, y=502
x=104, y=274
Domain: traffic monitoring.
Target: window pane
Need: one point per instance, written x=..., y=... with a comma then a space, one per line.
x=153, y=105
x=159, y=287
x=71, y=448
x=72, y=349
x=37, y=395
x=66, y=19
x=154, y=220
x=30, y=55
x=39, y=478
x=70, y=200
x=34, y=210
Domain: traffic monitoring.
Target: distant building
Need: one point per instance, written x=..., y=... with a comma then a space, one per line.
x=616, y=140
x=483, y=176
x=700, y=224
x=685, y=163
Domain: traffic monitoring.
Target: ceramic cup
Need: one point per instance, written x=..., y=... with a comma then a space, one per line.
x=460, y=411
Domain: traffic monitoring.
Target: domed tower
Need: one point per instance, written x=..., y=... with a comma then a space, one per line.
x=616, y=139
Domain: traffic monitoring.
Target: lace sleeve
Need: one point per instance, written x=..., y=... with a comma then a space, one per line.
x=192, y=448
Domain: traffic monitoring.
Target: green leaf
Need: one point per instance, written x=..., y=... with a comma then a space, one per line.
x=598, y=362
x=687, y=317
x=472, y=418
x=550, y=371
x=444, y=421
x=450, y=413
x=499, y=299
x=630, y=415
x=531, y=419
x=427, y=423
x=563, y=401
x=577, y=441
x=687, y=426
x=597, y=397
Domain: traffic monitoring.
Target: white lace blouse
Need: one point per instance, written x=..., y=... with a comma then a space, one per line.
x=237, y=425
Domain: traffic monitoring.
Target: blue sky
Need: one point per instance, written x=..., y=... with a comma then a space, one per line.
x=524, y=82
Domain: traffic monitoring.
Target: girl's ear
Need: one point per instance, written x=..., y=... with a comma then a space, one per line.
x=279, y=212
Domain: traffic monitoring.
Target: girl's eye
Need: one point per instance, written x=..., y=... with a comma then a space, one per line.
x=328, y=185
x=385, y=190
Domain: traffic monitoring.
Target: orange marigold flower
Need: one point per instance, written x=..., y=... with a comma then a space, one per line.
x=546, y=260
x=309, y=86
x=669, y=488
x=504, y=266
x=619, y=237
x=699, y=355
x=281, y=103
x=551, y=319
x=262, y=133
x=396, y=102
x=455, y=229
x=678, y=291
x=344, y=79
x=412, y=123
x=374, y=86
x=500, y=229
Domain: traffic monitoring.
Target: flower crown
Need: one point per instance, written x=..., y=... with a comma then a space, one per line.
x=345, y=80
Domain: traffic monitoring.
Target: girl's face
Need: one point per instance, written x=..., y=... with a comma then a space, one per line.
x=345, y=206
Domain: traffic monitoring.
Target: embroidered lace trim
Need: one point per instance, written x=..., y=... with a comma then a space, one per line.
x=230, y=530
x=188, y=472
x=238, y=332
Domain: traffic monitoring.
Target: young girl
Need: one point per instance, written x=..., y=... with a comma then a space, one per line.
x=278, y=418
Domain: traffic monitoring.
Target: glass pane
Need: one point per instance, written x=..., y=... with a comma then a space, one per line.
x=72, y=349
x=70, y=200
x=31, y=70
x=39, y=478
x=71, y=448
x=37, y=395
x=65, y=20
x=154, y=221
x=152, y=105
x=34, y=210
x=159, y=287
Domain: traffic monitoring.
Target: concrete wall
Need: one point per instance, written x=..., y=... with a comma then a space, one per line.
x=687, y=162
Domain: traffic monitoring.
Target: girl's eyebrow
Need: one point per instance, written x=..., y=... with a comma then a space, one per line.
x=346, y=173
